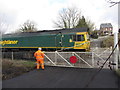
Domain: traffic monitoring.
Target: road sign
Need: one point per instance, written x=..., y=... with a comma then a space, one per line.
x=73, y=59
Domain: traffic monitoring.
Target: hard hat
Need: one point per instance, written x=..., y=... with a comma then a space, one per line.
x=39, y=48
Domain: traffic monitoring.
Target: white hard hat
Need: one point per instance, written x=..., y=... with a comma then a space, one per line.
x=39, y=48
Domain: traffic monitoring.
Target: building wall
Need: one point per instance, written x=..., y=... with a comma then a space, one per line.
x=106, y=29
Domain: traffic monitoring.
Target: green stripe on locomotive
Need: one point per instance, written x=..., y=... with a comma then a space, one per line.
x=46, y=41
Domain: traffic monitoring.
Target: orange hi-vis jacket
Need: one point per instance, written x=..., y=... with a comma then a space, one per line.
x=39, y=55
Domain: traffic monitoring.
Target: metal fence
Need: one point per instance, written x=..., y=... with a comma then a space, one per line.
x=63, y=59
x=93, y=59
x=21, y=55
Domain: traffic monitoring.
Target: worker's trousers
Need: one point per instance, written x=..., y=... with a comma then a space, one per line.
x=40, y=63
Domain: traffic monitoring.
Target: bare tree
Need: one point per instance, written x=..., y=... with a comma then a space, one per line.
x=113, y=3
x=90, y=25
x=72, y=18
x=0, y=28
x=68, y=18
x=3, y=25
x=28, y=26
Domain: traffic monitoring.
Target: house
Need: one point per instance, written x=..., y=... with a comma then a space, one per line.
x=106, y=29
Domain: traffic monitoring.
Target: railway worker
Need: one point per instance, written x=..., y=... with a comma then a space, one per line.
x=39, y=58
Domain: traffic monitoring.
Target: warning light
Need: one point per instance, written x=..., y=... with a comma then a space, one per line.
x=73, y=59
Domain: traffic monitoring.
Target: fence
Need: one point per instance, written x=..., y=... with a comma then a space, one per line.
x=93, y=59
x=63, y=59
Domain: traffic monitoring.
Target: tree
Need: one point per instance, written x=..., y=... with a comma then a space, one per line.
x=68, y=18
x=90, y=25
x=4, y=26
x=82, y=22
x=28, y=26
x=94, y=34
x=113, y=2
x=71, y=18
x=85, y=23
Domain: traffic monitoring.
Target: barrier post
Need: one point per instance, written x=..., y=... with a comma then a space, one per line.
x=12, y=55
x=116, y=50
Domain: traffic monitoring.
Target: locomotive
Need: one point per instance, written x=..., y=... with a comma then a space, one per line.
x=49, y=40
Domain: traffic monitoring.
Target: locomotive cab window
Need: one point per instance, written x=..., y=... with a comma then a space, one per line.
x=78, y=38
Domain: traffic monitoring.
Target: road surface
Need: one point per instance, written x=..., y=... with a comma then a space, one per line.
x=63, y=77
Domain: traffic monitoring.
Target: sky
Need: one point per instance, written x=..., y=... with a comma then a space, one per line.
x=13, y=13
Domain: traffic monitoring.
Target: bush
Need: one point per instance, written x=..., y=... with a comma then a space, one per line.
x=118, y=72
x=94, y=34
x=108, y=42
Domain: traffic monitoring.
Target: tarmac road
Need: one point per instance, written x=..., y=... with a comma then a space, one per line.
x=63, y=77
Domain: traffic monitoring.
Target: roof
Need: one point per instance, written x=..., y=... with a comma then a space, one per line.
x=106, y=25
x=45, y=32
x=71, y=30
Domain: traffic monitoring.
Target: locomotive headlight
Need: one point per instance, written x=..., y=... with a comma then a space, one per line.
x=82, y=43
x=79, y=44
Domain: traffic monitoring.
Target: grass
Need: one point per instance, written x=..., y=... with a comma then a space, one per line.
x=109, y=41
x=118, y=72
x=13, y=68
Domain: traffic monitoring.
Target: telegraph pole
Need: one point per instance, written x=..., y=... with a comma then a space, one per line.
x=118, y=29
x=116, y=53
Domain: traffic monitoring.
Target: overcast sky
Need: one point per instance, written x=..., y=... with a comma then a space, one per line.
x=14, y=13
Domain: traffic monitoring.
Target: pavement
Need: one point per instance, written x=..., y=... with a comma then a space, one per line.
x=63, y=77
